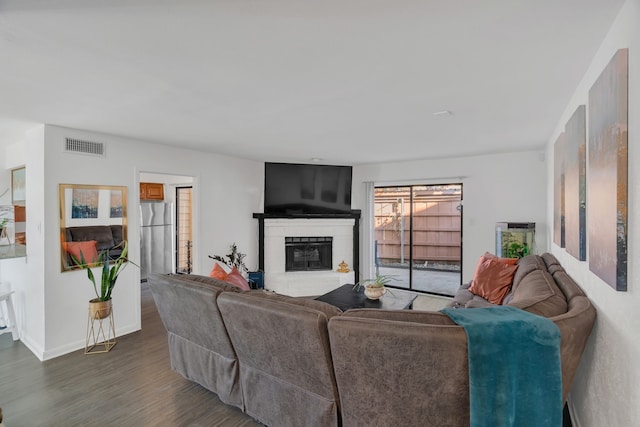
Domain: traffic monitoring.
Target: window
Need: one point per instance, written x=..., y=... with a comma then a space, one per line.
x=418, y=236
x=184, y=229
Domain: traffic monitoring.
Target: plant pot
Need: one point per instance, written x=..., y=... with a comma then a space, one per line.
x=374, y=292
x=99, y=309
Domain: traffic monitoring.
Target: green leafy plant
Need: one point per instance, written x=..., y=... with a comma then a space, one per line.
x=6, y=215
x=514, y=249
x=233, y=259
x=110, y=270
x=380, y=281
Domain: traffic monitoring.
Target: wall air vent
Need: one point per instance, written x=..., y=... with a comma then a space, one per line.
x=79, y=146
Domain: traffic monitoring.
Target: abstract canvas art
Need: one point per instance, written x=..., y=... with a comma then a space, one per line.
x=558, y=191
x=607, y=173
x=84, y=203
x=575, y=181
x=115, y=207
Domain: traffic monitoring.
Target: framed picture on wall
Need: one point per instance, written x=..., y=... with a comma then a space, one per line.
x=18, y=187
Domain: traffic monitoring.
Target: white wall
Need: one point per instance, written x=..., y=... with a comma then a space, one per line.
x=29, y=281
x=54, y=304
x=499, y=187
x=5, y=186
x=606, y=390
x=14, y=155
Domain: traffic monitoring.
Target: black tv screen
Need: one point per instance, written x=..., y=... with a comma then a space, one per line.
x=292, y=189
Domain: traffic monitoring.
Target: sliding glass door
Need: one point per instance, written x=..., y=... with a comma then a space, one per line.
x=418, y=233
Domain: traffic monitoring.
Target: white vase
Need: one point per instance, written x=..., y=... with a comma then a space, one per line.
x=374, y=292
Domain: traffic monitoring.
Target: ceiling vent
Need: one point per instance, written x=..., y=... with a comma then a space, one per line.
x=80, y=146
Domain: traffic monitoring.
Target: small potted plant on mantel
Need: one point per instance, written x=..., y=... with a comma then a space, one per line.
x=100, y=307
x=375, y=288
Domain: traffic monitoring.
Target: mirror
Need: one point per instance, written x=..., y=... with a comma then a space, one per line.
x=93, y=218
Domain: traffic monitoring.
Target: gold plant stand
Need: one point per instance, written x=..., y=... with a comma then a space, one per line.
x=101, y=333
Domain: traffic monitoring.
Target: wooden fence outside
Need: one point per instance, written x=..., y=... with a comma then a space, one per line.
x=436, y=227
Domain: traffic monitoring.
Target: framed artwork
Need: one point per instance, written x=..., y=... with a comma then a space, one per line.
x=18, y=186
x=558, y=191
x=86, y=210
x=608, y=172
x=84, y=203
x=115, y=204
x=575, y=191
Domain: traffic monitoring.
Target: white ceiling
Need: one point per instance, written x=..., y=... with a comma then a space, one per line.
x=346, y=81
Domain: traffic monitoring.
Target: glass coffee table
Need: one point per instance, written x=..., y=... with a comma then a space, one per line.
x=345, y=298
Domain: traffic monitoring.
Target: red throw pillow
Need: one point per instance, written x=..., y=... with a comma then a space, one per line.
x=218, y=272
x=236, y=279
x=510, y=261
x=88, y=249
x=487, y=256
x=493, y=280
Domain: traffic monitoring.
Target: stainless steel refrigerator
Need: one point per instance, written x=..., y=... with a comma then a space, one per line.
x=156, y=239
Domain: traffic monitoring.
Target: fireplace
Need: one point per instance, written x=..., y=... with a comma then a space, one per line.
x=308, y=253
x=274, y=234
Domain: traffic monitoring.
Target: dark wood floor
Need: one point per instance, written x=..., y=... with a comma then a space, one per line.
x=132, y=385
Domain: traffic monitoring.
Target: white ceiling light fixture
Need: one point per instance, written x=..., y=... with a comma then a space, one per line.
x=443, y=113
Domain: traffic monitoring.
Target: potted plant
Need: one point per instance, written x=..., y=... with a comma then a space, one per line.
x=100, y=307
x=5, y=218
x=375, y=288
x=233, y=259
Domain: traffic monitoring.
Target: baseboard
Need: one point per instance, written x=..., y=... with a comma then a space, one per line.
x=78, y=345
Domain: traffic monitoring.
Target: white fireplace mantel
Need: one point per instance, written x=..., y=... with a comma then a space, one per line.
x=307, y=283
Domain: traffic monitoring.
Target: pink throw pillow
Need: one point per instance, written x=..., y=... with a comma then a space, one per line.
x=236, y=279
x=218, y=272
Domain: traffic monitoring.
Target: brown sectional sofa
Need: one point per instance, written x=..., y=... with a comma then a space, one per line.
x=295, y=361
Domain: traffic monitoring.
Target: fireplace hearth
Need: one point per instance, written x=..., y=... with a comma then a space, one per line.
x=272, y=233
x=308, y=253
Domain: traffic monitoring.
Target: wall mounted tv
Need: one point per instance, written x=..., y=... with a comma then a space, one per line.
x=306, y=189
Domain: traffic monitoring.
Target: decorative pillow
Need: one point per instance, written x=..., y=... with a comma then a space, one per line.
x=87, y=249
x=492, y=280
x=509, y=261
x=236, y=279
x=218, y=272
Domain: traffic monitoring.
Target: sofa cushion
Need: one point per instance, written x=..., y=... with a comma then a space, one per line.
x=493, y=279
x=538, y=293
x=552, y=263
x=525, y=266
x=82, y=250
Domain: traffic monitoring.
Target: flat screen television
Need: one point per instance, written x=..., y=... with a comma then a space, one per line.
x=294, y=189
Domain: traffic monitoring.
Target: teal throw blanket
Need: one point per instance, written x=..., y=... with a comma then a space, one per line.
x=515, y=377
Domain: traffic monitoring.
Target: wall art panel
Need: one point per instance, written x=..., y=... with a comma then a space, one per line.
x=607, y=173
x=575, y=191
x=559, y=153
